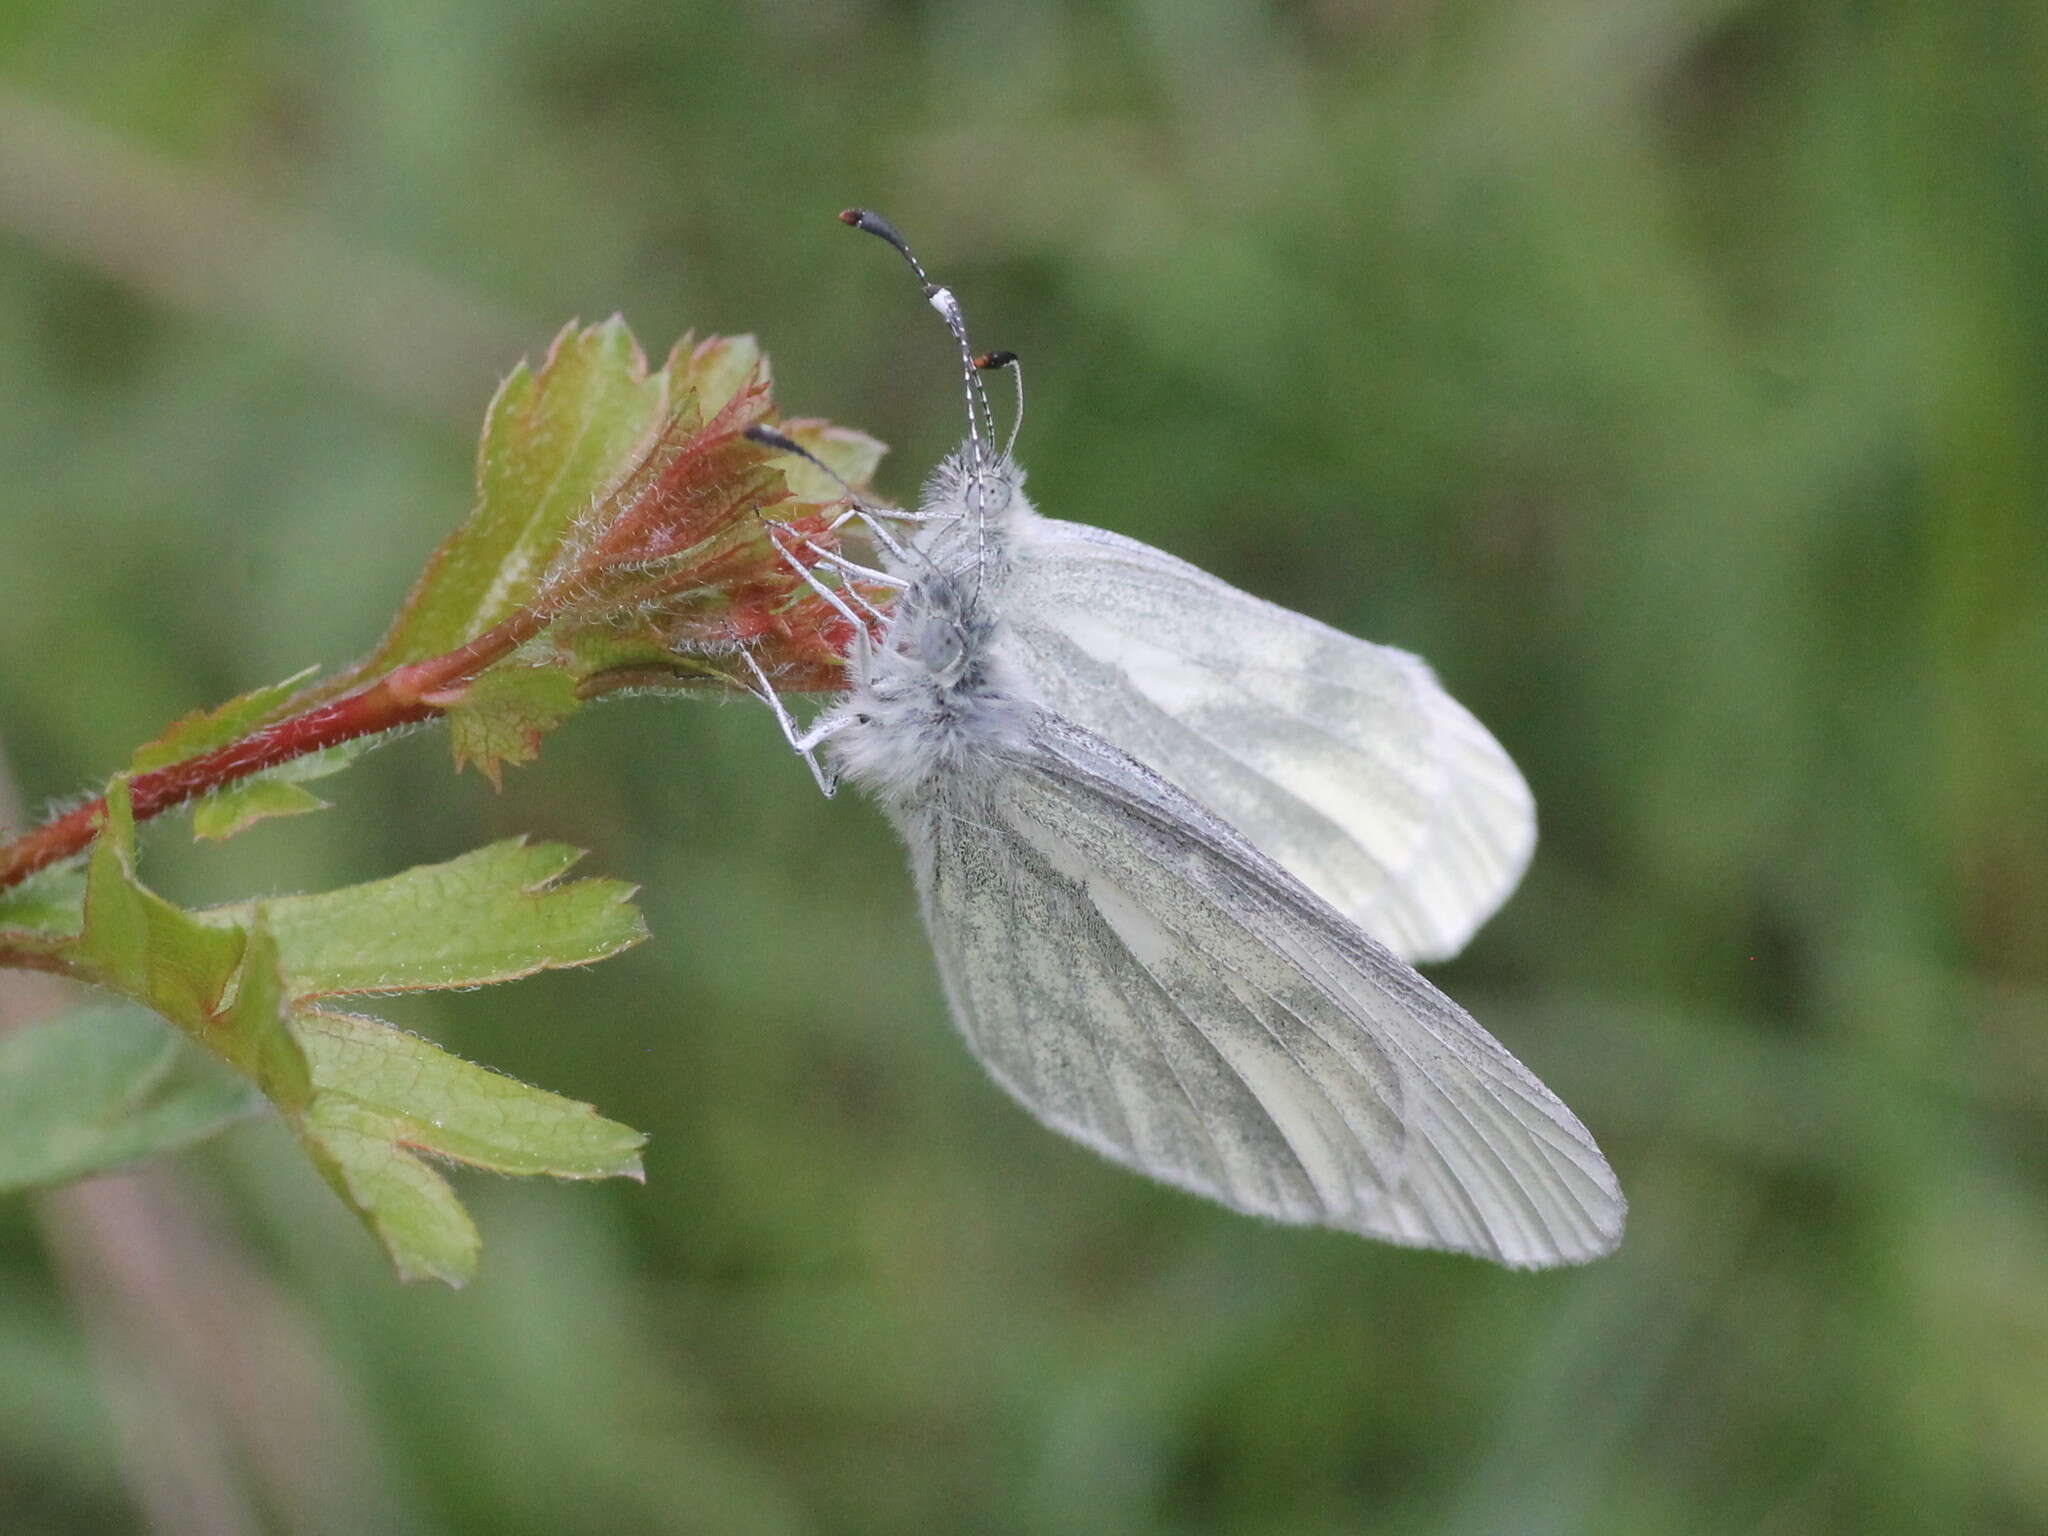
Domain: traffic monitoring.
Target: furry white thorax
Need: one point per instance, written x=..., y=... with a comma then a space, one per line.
x=936, y=695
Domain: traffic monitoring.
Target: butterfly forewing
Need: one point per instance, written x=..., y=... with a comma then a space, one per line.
x=1345, y=762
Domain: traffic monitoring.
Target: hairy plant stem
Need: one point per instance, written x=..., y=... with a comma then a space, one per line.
x=403, y=696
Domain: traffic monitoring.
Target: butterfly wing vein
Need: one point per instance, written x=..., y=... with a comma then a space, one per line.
x=1143, y=979
x=1347, y=762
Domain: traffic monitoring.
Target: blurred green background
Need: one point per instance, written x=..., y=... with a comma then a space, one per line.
x=1670, y=373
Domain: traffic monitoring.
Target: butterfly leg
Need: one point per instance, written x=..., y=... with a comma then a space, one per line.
x=868, y=516
x=872, y=518
x=846, y=567
x=863, y=637
x=804, y=744
x=836, y=600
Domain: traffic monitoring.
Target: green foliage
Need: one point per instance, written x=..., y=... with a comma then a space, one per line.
x=205, y=729
x=430, y=1101
x=407, y=1206
x=501, y=717
x=491, y=915
x=618, y=516
x=554, y=439
x=364, y=1099
x=238, y=807
x=103, y=1086
x=276, y=791
x=44, y=910
x=851, y=456
x=253, y=1033
x=600, y=482
x=136, y=943
x=620, y=507
x=382, y=1098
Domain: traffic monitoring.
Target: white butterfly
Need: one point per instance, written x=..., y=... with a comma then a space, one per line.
x=1135, y=970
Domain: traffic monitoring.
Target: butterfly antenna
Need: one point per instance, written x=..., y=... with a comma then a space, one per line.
x=981, y=427
x=988, y=362
x=869, y=517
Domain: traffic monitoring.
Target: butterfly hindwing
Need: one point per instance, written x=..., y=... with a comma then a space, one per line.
x=1146, y=981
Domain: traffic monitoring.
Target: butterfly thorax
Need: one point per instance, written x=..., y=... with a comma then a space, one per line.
x=936, y=698
x=970, y=509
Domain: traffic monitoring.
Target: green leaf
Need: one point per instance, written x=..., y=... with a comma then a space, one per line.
x=850, y=454
x=365, y=1100
x=203, y=730
x=220, y=983
x=554, y=439
x=136, y=943
x=48, y=906
x=383, y=1097
x=606, y=659
x=491, y=915
x=708, y=373
x=407, y=1206
x=439, y=1103
x=501, y=717
x=104, y=1086
x=240, y=806
x=274, y=792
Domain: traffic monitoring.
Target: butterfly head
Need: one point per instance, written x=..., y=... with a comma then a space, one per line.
x=978, y=481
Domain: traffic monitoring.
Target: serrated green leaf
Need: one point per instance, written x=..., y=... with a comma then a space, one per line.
x=490, y=915
x=240, y=806
x=502, y=716
x=554, y=438
x=436, y=1102
x=407, y=1206
x=712, y=371
x=49, y=905
x=365, y=1100
x=205, y=729
x=383, y=1097
x=104, y=1086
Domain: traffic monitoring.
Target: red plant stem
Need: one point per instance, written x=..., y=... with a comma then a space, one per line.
x=400, y=697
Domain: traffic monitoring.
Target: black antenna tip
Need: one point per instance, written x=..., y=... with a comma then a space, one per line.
x=871, y=223
x=874, y=224
x=988, y=362
x=768, y=437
